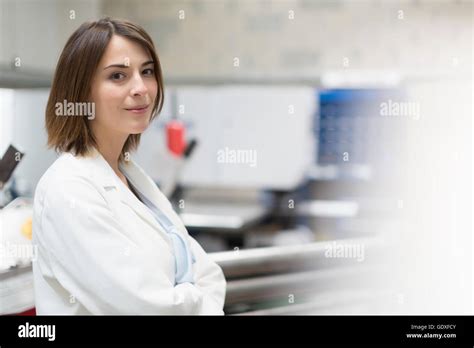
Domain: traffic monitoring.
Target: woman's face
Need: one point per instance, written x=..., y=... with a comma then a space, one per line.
x=123, y=89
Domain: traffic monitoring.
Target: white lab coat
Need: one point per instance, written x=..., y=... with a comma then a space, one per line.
x=101, y=251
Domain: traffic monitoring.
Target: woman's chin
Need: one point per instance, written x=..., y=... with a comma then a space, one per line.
x=134, y=132
x=138, y=129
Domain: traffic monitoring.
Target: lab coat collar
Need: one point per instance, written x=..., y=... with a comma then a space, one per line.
x=105, y=175
x=145, y=185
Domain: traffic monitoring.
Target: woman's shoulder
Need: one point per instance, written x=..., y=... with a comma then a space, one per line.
x=65, y=169
x=65, y=166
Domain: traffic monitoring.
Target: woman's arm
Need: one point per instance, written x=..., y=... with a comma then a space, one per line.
x=209, y=278
x=92, y=257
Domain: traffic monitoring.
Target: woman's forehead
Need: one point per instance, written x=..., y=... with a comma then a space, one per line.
x=121, y=50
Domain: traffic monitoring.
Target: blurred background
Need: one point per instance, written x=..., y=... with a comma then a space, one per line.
x=329, y=162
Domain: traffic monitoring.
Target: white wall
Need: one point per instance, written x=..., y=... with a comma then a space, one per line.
x=22, y=123
x=412, y=37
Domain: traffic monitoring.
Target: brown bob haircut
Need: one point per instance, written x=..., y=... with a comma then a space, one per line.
x=73, y=78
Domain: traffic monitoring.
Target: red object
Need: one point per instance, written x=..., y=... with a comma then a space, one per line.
x=29, y=312
x=175, y=137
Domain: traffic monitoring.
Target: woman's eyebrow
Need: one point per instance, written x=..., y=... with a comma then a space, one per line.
x=123, y=66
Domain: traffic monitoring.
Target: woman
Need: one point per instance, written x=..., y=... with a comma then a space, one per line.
x=108, y=240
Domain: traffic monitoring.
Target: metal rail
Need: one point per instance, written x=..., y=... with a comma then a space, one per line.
x=271, y=260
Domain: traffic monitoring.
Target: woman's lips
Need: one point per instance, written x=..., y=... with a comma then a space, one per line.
x=138, y=110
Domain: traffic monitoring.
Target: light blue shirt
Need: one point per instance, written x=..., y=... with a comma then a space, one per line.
x=184, y=257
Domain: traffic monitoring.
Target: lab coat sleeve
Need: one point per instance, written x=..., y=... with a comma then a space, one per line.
x=94, y=260
x=210, y=279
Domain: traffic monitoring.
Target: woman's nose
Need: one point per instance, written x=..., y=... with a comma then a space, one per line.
x=138, y=87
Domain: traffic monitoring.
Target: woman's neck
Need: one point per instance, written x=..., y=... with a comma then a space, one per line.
x=110, y=144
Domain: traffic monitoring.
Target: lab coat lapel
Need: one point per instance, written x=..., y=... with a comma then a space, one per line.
x=127, y=197
x=147, y=187
x=105, y=175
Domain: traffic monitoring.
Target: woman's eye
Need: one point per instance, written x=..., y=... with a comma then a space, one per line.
x=117, y=76
x=149, y=72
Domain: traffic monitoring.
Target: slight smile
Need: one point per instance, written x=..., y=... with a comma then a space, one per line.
x=139, y=109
